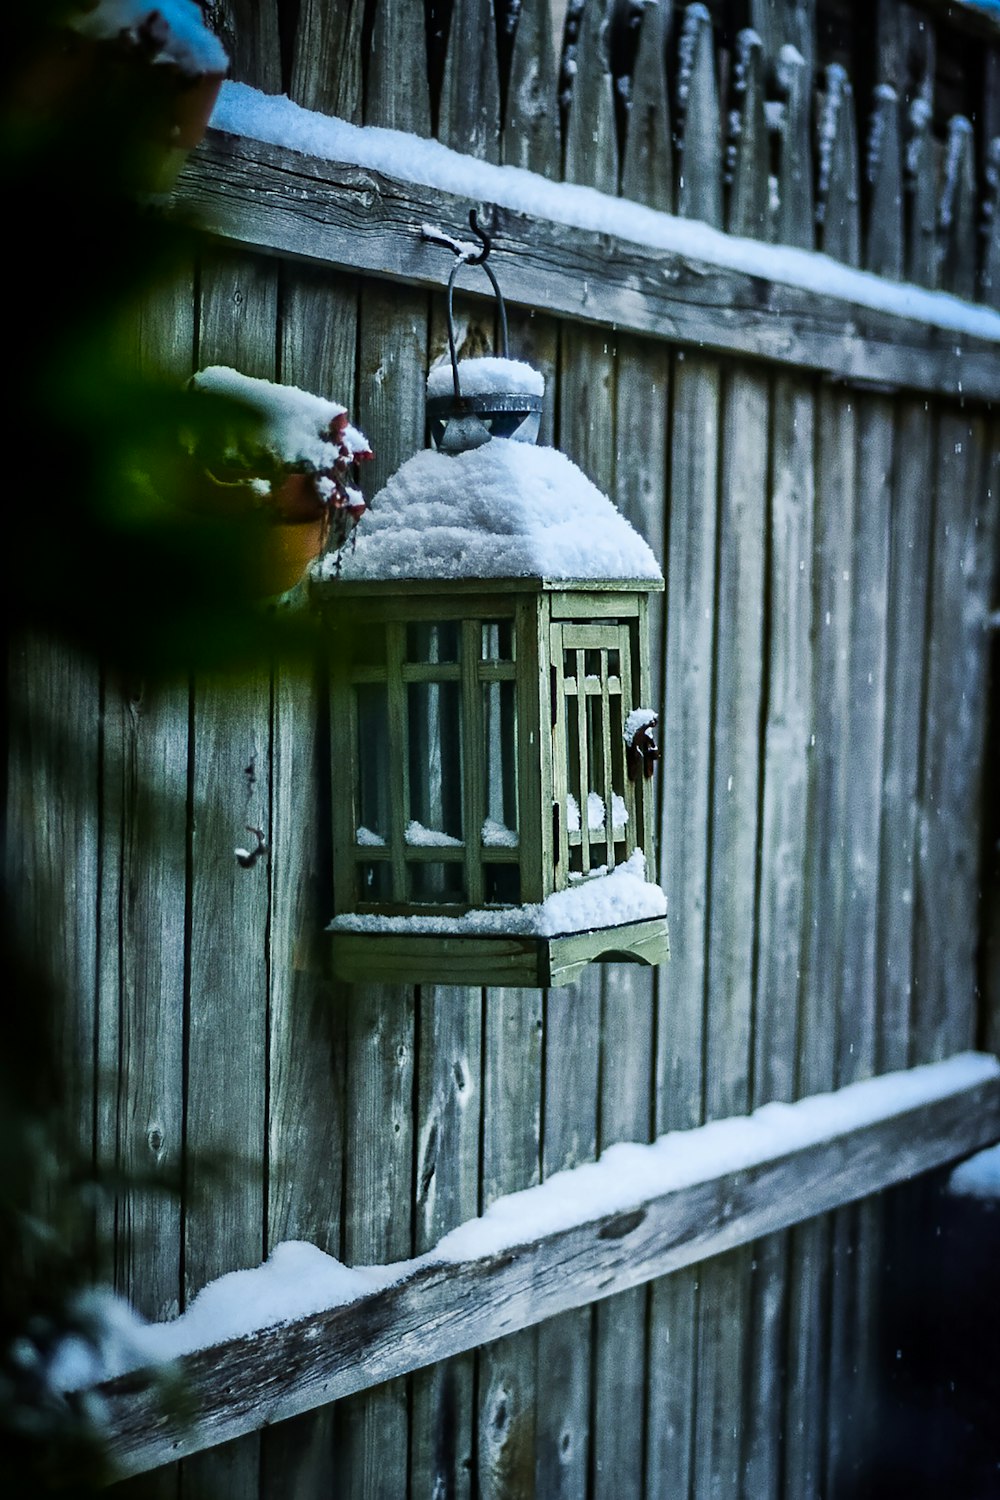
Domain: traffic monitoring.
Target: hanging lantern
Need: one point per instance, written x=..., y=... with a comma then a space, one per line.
x=492, y=745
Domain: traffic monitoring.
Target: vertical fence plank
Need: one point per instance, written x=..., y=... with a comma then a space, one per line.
x=857, y=1229
x=789, y=672
x=748, y=147
x=52, y=863
x=447, y=1193
x=590, y=141
x=326, y=57
x=226, y=1049
x=249, y=32
x=922, y=261
x=957, y=212
x=884, y=177
x=699, y=175
x=735, y=765
x=512, y=1056
x=469, y=113
x=398, y=32
x=647, y=162
x=531, y=135
x=837, y=182
x=144, y=820
x=989, y=279
x=569, y=1136
x=964, y=560
x=789, y=42
x=684, y=840
x=691, y=585
x=795, y=218
x=379, y=1019
x=909, y=560
x=306, y=1032
x=373, y=1430
x=809, y=1330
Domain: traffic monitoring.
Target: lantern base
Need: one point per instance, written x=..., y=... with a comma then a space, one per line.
x=511, y=961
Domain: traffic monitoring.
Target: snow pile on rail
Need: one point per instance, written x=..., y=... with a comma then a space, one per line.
x=298, y=1279
x=242, y=110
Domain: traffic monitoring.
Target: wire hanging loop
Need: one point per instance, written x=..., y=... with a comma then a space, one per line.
x=464, y=258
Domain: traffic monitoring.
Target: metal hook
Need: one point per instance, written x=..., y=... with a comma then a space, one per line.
x=464, y=258
x=482, y=236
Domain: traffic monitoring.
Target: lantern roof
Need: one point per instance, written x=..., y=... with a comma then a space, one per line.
x=503, y=510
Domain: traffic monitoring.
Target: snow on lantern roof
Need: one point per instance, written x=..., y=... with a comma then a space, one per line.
x=485, y=375
x=504, y=510
x=295, y=423
x=176, y=27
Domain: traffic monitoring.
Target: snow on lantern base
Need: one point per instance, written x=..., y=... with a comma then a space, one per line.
x=488, y=655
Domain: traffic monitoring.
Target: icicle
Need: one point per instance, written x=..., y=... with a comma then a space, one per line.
x=885, y=98
x=829, y=119
x=959, y=132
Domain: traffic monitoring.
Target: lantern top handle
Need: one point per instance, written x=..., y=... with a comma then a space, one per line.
x=465, y=256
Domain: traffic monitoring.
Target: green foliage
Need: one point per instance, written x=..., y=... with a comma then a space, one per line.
x=107, y=549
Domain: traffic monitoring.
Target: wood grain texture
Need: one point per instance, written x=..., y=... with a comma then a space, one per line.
x=326, y=58
x=142, y=941
x=696, y=112
x=724, y=1294
x=569, y=1137
x=372, y=1431
x=884, y=242
x=398, y=38
x=448, y=1124
x=907, y=597
x=856, y=1231
x=469, y=109
x=441, y=1309
x=355, y=218
x=836, y=483
x=590, y=143
x=958, y=209
x=948, y=890
x=52, y=872
x=531, y=130
x=511, y=1160
x=647, y=160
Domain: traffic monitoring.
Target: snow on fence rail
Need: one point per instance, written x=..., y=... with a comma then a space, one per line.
x=255, y=1358
x=280, y=179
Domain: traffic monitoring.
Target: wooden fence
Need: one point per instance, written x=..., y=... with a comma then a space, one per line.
x=818, y=475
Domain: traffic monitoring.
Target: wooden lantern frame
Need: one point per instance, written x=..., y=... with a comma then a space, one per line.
x=561, y=634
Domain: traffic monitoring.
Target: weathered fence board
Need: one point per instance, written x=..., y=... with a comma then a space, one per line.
x=448, y=1123
x=359, y=219
x=511, y=1149
x=442, y=1309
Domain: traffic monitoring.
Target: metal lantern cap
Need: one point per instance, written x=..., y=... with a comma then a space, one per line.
x=461, y=422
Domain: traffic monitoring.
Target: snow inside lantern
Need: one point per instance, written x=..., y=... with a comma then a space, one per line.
x=492, y=808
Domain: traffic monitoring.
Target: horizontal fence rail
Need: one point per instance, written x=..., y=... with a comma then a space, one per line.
x=439, y=1310
x=266, y=198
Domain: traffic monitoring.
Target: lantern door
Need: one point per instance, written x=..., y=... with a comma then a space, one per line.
x=600, y=816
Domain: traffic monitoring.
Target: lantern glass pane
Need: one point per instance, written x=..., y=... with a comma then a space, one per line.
x=500, y=768
x=498, y=640
x=438, y=884
x=374, y=881
x=434, y=730
x=372, y=703
x=502, y=885
x=368, y=644
x=433, y=641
